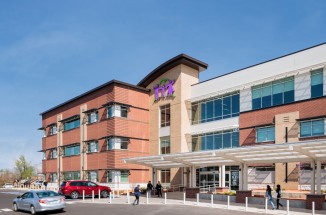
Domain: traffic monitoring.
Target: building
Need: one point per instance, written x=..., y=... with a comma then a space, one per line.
x=275, y=102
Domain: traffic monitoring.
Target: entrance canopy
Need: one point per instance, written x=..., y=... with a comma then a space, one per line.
x=304, y=151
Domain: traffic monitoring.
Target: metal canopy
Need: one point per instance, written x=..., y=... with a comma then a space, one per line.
x=304, y=151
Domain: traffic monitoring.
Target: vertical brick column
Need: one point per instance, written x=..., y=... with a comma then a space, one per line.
x=319, y=200
x=241, y=195
x=191, y=192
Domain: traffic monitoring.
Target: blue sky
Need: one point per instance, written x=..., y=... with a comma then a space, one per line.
x=51, y=51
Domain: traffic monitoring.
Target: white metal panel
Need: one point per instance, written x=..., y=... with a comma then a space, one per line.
x=218, y=125
x=302, y=87
x=165, y=131
x=304, y=59
x=245, y=99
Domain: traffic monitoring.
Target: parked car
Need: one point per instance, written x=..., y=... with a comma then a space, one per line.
x=8, y=186
x=39, y=201
x=75, y=188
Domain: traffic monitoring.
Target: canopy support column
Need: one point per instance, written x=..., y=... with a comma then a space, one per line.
x=245, y=177
x=154, y=178
x=223, y=176
x=318, y=175
x=241, y=173
x=312, y=182
x=220, y=176
x=193, y=176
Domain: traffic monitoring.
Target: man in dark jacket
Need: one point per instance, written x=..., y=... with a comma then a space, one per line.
x=149, y=189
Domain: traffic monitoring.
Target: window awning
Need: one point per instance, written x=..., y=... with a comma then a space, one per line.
x=77, y=116
x=305, y=151
x=90, y=110
x=52, y=124
x=42, y=128
x=115, y=103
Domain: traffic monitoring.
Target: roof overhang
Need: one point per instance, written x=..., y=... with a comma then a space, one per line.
x=307, y=151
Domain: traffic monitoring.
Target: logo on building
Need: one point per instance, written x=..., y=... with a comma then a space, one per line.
x=164, y=89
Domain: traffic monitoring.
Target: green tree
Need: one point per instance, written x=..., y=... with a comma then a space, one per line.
x=24, y=168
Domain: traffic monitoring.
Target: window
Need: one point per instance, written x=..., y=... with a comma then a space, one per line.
x=53, y=130
x=43, y=132
x=92, y=146
x=265, y=134
x=117, y=110
x=265, y=169
x=273, y=93
x=312, y=128
x=317, y=83
x=216, y=140
x=218, y=108
x=71, y=175
x=71, y=150
x=165, y=176
x=93, y=117
x=165, y=145
x=53, y=153
x=71, y=124
x=53, y=177
x=165, y=115
x=118, y=176
x=118, y=143
x=92, y=176
x=44, y=156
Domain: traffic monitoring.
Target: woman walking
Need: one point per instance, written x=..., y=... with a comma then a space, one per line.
x=159, y=189
x=269, y=196
x=278, y=197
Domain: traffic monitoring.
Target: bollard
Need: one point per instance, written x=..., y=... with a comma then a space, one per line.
x=165, y=198
x=266, y=205
x=113, y=196
x=287, y=207
x=99, y=194
x=92, y=195
x=110, y=198
x=184, y=198
x=313, y=208
x=128, y=197
x=197, y=198
x=83, y=195
x=212, y=200
x=147, y=198
x=246, y=209
x=228, y=202
x=118, y=192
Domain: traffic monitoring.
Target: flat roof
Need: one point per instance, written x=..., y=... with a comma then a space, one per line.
x=304, y=151
x=93, y=90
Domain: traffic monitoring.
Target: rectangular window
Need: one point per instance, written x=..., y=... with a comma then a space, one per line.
x=53, y=153
x=92, y=146
x=44, y=156
x=165, y=145
x=117, y=111
x=117, y=143
x=165, y=176
x=216, y=140
x=93, y=117
x=312, y=128
x=71, y=150
x=273, y=93
x=71, y=175
x=71, y=124
x=165, y=115
x=53, y=177
x=265, y=134
x=218, y=108
x=124, y=176
x=53, y=130
x=110, y=111
x=92, y=176
x=317, y=83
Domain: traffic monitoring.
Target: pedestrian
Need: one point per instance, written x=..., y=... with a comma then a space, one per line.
x=158, y=189
x=137, y=194
x=278, y=197
x=149, y=189
x=269, y=196
x=45, y=183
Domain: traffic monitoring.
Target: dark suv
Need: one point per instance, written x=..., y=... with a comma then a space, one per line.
x=74, y=189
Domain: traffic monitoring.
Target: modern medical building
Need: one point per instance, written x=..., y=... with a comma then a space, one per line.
x=264, y=124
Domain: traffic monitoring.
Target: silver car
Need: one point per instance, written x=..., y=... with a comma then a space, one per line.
x=38, y=201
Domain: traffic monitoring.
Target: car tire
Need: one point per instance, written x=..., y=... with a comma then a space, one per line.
x=74, y=195
x=15, y=207
x=61, y=210
x=32, y=209
x=104, y=194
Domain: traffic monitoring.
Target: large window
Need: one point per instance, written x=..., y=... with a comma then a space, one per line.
x=317, y=83
x=312, y=128
x=165, y=115
x=71, y=175
x=53, y=153
x=165, y=176
x=53, y=177
x=165, y=145
x=216, y=140
x=53, y=130
x=117, y=110
x=93, y=117
x=71, y=124
x=92, y=176
x=115, y=176
x=71, y=150
x=92, y=146
x=221, y=107
x=118, y=143
x=273, y=93
x=265, y=134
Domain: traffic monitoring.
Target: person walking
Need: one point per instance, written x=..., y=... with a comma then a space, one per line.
x=137, y=194
x=149, y=189
x=45, y=183
x=159, y=189
x=269, y=196
x=278, y=197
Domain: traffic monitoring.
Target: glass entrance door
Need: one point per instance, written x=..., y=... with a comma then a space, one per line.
x=208, y=179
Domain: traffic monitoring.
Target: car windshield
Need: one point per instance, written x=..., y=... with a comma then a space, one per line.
x=44, y=194
x=63, y=184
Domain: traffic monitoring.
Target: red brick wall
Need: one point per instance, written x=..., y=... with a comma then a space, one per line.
x=71, y=163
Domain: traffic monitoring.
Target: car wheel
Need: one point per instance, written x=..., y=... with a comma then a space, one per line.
x=32, y=209
x=15, y=207
x=104, y=194
x=74, y=195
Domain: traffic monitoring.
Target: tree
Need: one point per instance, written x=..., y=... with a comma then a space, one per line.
x=24, y=168
x=6, y=176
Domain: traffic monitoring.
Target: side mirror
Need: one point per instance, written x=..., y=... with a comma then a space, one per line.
x=18, y=197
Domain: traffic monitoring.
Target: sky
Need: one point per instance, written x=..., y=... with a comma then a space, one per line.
x=52, y=51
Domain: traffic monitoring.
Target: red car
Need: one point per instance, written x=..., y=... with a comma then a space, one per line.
x=74, y=189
